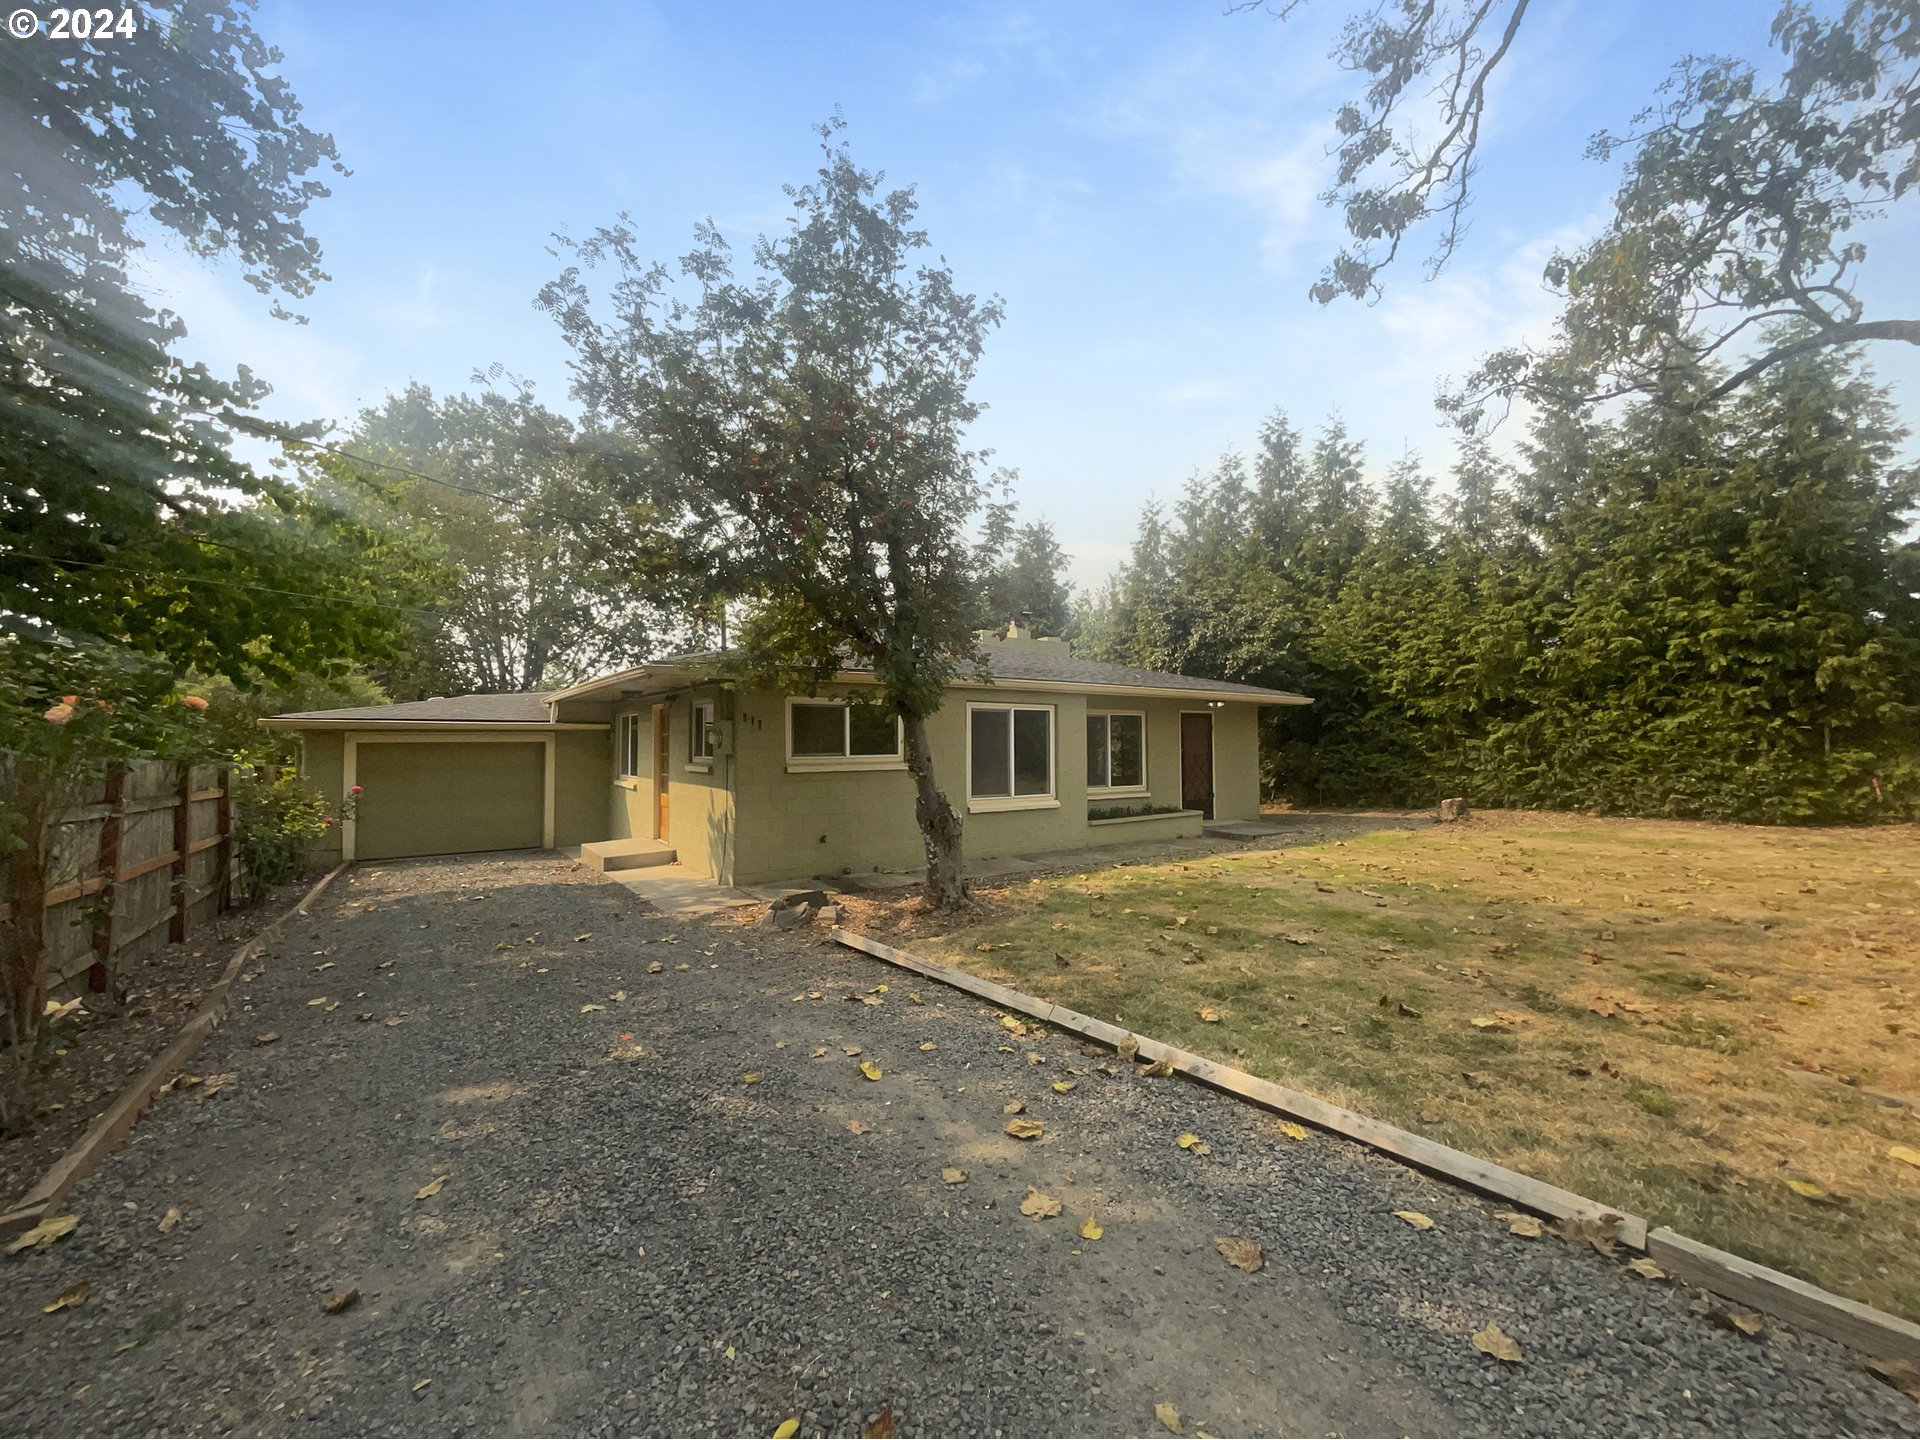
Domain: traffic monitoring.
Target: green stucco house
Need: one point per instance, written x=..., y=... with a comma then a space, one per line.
x=674, y=761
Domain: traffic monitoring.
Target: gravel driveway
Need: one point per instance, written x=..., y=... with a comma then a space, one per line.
x=631, y=1237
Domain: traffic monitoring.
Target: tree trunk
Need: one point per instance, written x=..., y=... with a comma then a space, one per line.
x=25, y=998
x=939, y=824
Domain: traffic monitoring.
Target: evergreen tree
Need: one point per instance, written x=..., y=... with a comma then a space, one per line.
x=1707, y=613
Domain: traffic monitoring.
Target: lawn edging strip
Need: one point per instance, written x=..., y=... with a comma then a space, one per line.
x=1821, y=1311
x=118, y=1118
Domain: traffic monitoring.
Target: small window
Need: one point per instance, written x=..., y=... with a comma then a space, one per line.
x=1117, y=751
x=1010, y=752
x=819, y=729
x=861, y=736
x=872, y=730
x=700, y=733
x=629, y=746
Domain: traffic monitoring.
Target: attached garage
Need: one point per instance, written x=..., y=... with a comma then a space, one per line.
x=444, y=797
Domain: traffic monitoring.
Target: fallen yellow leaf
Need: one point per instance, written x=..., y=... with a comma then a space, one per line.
x=752, y=1077
x=1024, y=1129
x=1167, y=1416
x=787, y=1428
x=431, y=1188
x=1645, y=1267
x=1090, y=1229
x=928, y=1045
x=169, y=1220
x=1747, y=1322
x=1293, y=1131
x=44, y=1234
x=68, y=1298
x=1806, y=1189
x=1013, y=1107
x=1496, y=1342
x=1039, y=1205
x=1240, y=1253
x=1905, y=1153
x=870, y=1070
x=1187, y=1140
x=1415, y=1219
x=1062, y=1087
x=953, y=1175
x=858, y=1127
x=1159, y=1069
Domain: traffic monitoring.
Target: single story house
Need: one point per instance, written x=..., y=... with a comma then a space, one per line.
x=674, y=760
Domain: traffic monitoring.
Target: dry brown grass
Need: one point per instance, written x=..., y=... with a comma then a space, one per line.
x=1687, y=1016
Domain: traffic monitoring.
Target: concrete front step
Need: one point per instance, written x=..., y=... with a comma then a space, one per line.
x=607, y=855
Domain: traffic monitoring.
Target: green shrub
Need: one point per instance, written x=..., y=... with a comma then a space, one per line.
x=276, y=820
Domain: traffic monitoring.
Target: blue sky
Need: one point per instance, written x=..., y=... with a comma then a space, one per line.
x=1137, y=181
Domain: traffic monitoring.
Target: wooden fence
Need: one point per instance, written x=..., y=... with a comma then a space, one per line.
x=145, y=859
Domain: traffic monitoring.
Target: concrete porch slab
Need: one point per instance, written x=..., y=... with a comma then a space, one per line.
x=679, y=892
x=610, y=855
x=1247, y=829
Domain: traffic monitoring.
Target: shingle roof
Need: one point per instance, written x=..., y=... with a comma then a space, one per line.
x=1009, y=663
x=520, y=708
x=1056, y=664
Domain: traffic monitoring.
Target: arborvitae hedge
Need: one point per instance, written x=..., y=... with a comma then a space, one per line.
x=1712, y=615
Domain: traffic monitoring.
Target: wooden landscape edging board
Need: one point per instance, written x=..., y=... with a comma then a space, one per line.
x=1808, y=1306
x=1821, y=1311
x=118, y=1118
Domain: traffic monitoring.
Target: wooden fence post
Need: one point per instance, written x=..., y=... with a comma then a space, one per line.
x=224, y=879
x=26, y=977
x=181, y=892
x=112, y=826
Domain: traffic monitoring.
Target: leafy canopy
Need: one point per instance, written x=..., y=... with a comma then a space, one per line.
x=504, y=492
x=798, y=436
x=124, y=518
x=1738, y=211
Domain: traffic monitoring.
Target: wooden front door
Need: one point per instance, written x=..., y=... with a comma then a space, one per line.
x=662, y=735
x=1196, y=762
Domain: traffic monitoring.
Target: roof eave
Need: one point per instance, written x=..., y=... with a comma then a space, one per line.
x=543, y=727
x=1092, y=687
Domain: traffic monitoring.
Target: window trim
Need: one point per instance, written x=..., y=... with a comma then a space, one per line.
x=846, y=760
x=627, y=748
x=698, y=730
x=987, y=804
x=1108, y=792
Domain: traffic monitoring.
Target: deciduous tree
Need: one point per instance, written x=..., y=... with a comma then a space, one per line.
x=799, y=443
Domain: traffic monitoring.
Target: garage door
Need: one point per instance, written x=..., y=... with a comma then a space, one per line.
x=440, y=799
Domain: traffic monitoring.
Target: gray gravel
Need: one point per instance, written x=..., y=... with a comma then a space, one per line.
x=631, y=1239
